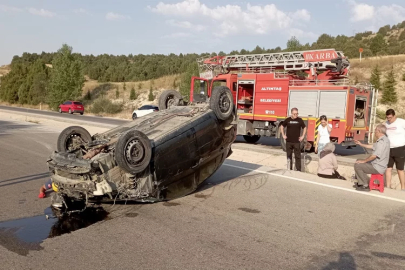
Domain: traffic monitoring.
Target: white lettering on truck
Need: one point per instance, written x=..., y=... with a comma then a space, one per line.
x=270, y=112
x=271, y=88
x=270, y=100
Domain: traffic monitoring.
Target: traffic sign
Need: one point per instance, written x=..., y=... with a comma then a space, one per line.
x=361, y=50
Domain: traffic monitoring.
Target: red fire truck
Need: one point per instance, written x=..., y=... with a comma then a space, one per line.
x=265, y=87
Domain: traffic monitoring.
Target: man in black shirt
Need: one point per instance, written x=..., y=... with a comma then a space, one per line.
x=293, y=137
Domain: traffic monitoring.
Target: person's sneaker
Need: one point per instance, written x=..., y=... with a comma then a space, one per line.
x=41, y=195
x=356, y=185
x=363, y=188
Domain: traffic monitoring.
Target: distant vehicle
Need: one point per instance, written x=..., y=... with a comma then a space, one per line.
x=144, y=110
x=71, y=107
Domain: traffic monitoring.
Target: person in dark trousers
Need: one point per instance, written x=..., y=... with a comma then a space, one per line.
x=293, y=137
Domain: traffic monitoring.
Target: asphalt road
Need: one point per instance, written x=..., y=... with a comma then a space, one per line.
x=85, y=118
x=241, y=218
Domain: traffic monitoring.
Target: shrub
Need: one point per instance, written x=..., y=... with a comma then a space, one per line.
x=151, y=96
x=380, y=114
x=132, y=95
x=104, y=105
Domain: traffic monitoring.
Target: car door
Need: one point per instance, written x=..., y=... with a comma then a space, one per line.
x=141, y=111
x=65, y=106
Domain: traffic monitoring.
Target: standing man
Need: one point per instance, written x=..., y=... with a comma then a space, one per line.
x=376, y=163
x=293, y=138
x=396, y=134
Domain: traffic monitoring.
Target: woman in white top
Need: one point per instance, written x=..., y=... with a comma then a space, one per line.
x=324, y=130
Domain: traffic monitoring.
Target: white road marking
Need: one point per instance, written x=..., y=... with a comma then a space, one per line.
x=319, y=184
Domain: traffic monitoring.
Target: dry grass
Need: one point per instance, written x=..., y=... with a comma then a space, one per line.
x=4, y=70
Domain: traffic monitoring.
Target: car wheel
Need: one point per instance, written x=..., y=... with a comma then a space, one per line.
x=133, y=151
x=134, y=116
x=60, y=110
x=70, y=111
x=169, y=98
x=81, y=113
x=251, y=139
x=71, y=137
x=221, y=102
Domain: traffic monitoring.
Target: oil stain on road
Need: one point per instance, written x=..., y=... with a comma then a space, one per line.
x=22, y=235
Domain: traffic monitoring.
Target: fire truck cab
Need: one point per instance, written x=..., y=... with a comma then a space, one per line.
x=265, y=87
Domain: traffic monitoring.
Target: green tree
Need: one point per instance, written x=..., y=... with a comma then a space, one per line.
x=132, y=95
x=185, y=81
x=88, y=95
x=375, y=79
x=139, y=86
x=124, y=87
x=117, y=93
x=293, y=44
x=151, y=97
x=66, y=81
x=378, y=44
x=389, y=94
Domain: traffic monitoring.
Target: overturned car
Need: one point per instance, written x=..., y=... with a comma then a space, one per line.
x=160, y=156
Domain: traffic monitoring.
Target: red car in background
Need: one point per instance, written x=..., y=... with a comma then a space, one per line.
x=72, y=107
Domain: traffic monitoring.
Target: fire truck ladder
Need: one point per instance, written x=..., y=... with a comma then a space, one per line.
x=288, y=61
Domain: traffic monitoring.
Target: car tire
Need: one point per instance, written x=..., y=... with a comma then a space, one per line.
x=251, y=139
x=169, y=98
x=133, y=140
x=221, y=102
x=81, y=113
x=60, y=110
x=134, y=116
x=70, y=111
x=64, y=139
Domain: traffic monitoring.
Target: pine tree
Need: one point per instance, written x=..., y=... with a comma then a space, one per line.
x=132, y=95
x=389, y=94
x=124, y=86
x=117, y=93
x=185, y=82
x=151, y=97
x=293, y=44
x=88, y=95
x=375, y=78
x=66, y=79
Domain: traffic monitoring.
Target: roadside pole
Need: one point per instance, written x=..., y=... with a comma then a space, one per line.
x=360, y=51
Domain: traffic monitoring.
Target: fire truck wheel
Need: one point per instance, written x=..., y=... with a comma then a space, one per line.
x=169, y=98
x=251, y=139
x=221, y=102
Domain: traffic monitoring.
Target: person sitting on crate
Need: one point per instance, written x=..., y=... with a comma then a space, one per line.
x=327, y=165
x=377, y=162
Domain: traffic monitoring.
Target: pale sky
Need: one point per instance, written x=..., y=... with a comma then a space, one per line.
x=181, y=26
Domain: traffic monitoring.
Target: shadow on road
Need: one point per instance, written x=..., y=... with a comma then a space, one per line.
x=24, y=179
x=233, y=170
x=6, y=126
x=346, y=261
